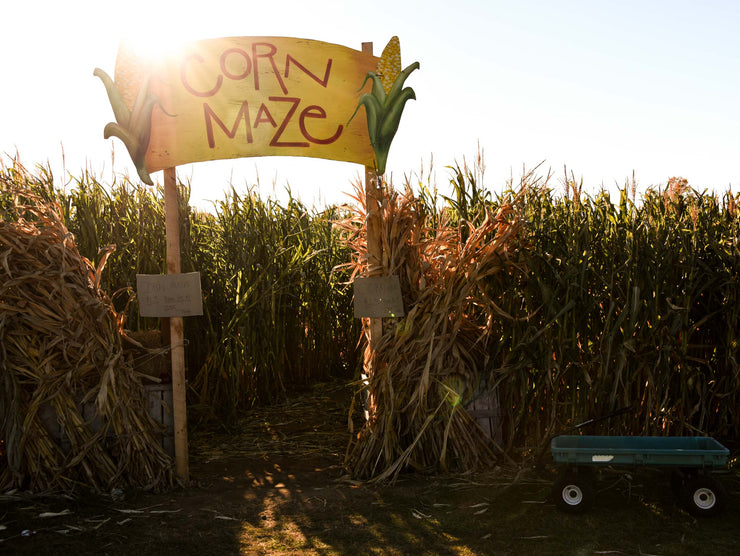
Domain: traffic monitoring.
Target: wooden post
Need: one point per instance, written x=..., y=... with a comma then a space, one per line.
x=373, y=198
x=177, y=347
x=372, y=202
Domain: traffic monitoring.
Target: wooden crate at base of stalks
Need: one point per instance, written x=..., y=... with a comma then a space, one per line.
x=159, y=407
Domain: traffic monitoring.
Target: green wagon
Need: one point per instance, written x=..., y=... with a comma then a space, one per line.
x=691, y=460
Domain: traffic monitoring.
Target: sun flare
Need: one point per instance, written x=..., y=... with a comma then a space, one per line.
x=152, y=48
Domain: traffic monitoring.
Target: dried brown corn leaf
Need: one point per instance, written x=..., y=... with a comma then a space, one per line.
x=60, y=340
x=432, y=353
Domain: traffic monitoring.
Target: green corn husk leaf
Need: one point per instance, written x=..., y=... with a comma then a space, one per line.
x=384, y=112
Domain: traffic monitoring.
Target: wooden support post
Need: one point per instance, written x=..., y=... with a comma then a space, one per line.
x=373, y=199
x=374, y=252
x=177, y=346
x=372, y=202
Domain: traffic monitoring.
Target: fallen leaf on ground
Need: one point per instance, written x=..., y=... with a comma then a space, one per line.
x=54, y=514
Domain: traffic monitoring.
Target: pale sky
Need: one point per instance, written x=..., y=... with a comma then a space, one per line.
x=602, y=87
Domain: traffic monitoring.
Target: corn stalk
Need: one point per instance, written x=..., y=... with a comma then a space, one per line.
x=60, y=353
x=429, y=361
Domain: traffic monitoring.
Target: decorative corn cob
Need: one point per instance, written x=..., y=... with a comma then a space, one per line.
x=132, y=106
x=130, y=73
x=384, y=104
x=389, y=65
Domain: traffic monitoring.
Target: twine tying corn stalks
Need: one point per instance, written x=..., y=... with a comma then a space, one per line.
x=427, y=364
x=61, y=351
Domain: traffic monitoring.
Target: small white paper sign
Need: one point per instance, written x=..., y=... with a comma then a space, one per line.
x=169, y=295
x=378, y=297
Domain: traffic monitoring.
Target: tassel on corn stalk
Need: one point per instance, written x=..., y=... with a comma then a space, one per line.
x=427, y=363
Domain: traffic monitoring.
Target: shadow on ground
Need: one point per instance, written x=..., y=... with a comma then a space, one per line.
x=276, y=485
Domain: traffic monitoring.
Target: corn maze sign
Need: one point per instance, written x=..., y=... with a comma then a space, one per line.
x=240, y=97
x=257, y=96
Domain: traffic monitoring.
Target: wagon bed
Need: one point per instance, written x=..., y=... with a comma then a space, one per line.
x=657, y=451
x=691, y=461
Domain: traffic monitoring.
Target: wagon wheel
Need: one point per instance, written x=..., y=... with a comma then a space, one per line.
x=703, y=496
x=574, y=492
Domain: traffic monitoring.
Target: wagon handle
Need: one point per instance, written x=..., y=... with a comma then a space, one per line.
x=618, y=412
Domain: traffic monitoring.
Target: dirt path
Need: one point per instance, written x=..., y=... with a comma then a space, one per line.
x=276, y=485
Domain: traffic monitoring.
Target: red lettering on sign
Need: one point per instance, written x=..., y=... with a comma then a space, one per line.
x=247, y=64
x=231, y=133
x=315, y=111
x=263, y=115
x=270, y=55
x=188, y=87
x=275, y=142
x=323, y=82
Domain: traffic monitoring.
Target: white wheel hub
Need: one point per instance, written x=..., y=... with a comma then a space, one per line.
x=704, y=498
x=572, y=495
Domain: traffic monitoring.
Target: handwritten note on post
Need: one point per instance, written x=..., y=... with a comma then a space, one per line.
x=378, y=297
x=169, y=295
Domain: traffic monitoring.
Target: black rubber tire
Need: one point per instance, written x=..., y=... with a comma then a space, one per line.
x=703, y=496
x=679, y=478
x=573, y=493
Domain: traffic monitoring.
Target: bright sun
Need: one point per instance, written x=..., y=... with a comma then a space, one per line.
x=162, y=32
x=155, y=47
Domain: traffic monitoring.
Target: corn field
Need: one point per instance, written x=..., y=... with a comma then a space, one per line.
x=599, y=304
x=275, y=315
x=623, y=305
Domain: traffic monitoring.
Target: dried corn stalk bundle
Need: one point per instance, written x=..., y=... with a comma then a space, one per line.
x=61, y=352
x=427, y=363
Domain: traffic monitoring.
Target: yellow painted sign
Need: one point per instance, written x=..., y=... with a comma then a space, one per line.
x=258, y=96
